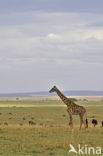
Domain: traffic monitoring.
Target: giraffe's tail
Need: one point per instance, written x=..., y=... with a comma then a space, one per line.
x=86, y=120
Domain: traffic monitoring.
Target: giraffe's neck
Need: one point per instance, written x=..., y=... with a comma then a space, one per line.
x=63, y=98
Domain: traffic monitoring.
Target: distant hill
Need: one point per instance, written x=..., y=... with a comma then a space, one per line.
x=45, y=93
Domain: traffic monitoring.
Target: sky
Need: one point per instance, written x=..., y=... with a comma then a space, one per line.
x=51, y=42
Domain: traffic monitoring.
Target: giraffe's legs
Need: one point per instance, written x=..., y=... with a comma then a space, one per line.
x=84, y=121
x=81, y=121
x=71, y=120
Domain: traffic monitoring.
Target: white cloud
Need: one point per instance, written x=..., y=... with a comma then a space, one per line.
x=53, y=36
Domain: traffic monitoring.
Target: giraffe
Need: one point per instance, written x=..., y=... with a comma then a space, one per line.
x=72, y=108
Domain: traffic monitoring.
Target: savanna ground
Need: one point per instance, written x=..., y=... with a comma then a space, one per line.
x=51, y=135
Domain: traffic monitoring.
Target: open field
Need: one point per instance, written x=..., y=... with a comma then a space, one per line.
x=51, y=133
x=39, y=98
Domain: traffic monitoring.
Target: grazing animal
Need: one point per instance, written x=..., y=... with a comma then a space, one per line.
x=64, y=115
x=32, y=118
x=51, y=126
x=24, y=118
x=32, y=123
x=94, y=122
x=102, y=124
x=72, y=108
x=41, y=124
x=10, y=113
x=21, y=124
x=10, y=118
x=5, y=123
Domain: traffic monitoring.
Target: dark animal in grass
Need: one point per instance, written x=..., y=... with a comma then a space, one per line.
x=10, y=113
x=24, y=118
x=102, y=124
x=41, y=124
x=32, y=118
x=5, y=123
x=10, y=118
x=64, y=115
x=94, y=122
x=51, y=153
x=51, y=126
x=0, y=113
x=21, y=124
x=32, y=123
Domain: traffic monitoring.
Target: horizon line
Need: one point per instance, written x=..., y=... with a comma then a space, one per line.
x=24, y=92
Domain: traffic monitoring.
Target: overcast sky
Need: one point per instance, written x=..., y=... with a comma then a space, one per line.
x=51, y=42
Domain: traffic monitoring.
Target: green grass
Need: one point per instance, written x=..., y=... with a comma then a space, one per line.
x=51, y=135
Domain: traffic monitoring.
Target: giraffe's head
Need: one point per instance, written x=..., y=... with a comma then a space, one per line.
x=53, y=89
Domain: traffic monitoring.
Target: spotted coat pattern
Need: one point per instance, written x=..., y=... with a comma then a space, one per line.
x=72, y=108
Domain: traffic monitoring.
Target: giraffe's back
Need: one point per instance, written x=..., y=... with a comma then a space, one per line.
x=76, y=109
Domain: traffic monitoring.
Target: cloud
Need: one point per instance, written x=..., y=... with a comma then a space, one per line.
x=53, y=36
x=51, y=46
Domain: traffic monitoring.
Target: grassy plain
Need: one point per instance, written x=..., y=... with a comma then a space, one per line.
x=51, y=133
